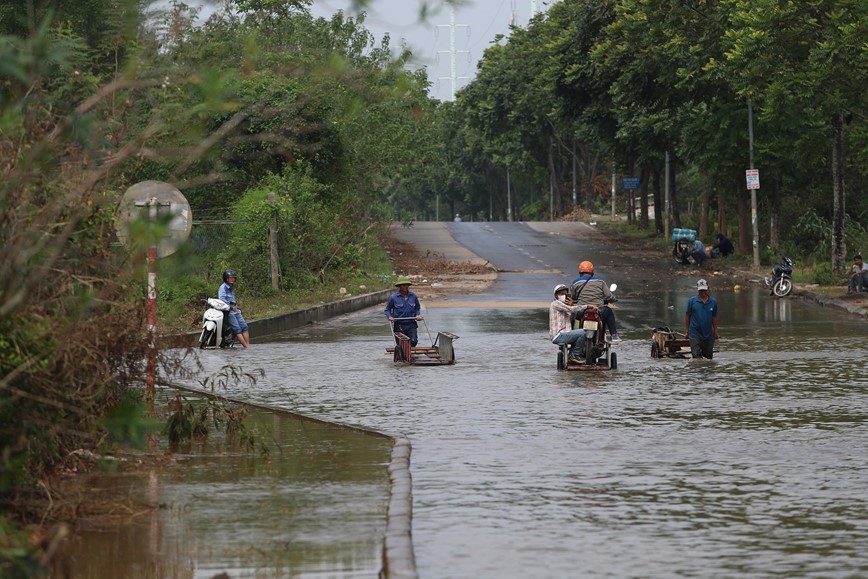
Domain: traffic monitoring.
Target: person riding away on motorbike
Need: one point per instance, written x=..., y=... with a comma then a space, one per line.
x=592, y=290
x=226, y=293
x=561, y=316
x=403, y=309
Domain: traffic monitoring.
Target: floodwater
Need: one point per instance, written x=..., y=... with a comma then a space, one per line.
x=314, y=505
x=750, y=465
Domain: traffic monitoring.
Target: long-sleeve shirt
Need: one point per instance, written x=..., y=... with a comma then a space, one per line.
x=561, y=317
x=226, y=294
x=399, y=306
x=590, y=290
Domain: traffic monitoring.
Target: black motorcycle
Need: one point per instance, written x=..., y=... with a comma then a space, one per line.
x=781, y=282
x=681, y=251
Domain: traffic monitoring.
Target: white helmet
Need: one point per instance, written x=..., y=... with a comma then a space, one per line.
x=560, y=287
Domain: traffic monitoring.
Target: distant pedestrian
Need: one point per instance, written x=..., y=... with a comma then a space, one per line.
x=457, y=218
x=700, y=320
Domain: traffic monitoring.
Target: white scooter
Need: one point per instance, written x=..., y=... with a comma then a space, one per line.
x=216, y=331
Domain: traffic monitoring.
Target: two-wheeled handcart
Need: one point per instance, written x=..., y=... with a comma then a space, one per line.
x=440, y=353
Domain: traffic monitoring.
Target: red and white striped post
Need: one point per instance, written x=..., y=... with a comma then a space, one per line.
x=152, y=312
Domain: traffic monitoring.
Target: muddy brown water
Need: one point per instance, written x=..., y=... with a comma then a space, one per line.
x=313, y=506
x=748, y=465
x=751, y=464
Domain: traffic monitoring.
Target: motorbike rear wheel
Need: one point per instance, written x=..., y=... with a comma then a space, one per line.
x=782, y=287
x=205, y=340
x=590, y=352
x=561, y=364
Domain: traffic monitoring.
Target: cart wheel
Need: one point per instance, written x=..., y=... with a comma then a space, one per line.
x=613, y=361
x=560, y=359
x=655, y=350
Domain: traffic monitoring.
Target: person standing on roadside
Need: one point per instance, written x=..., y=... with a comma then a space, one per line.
x=700, y=320
x=403, y=310
x=226, y=293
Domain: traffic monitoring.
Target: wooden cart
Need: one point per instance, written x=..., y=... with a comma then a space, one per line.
x=439, y=353
x=666, y=343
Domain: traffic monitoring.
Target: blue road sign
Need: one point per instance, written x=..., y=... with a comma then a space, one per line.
x=630, y=182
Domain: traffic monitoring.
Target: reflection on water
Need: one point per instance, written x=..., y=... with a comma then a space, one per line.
x=221, y=509
x=751, y=464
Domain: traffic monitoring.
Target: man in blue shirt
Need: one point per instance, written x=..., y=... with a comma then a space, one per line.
x=698, y=252
x=226, y=293
x=701, y=322
x=403, y=309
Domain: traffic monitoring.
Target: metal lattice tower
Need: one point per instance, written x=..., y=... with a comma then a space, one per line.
x=453, y=53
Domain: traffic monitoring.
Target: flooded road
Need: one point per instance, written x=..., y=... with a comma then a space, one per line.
x=218, y=507
x=751, y=464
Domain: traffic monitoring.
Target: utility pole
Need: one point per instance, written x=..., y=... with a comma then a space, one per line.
x=753, y=216
x=667, y=210
x=453, y=52
x=508, y=197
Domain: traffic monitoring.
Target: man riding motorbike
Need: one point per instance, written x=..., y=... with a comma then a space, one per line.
x=593, y=290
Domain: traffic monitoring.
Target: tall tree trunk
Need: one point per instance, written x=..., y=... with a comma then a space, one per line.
x=643, y=197
x=703, y=214
x=658, y=199
x=673, y=197
x=839, y=248
x=721, y=212
x=744, y=224
x=775, y=221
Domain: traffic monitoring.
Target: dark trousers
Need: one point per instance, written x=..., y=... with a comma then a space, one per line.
x=408, y=329
x=608, y=317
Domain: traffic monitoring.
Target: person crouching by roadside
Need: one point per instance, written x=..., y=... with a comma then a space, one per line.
x=701, y=322
x=403, y=310
x=858, y=275
x=226, y=293
x=561, y=316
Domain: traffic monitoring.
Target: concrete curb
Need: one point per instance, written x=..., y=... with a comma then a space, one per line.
x=825, y=301
x=399, y=558
x=293, y=319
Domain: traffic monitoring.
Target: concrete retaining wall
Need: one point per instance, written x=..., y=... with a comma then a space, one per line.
x=295, y=319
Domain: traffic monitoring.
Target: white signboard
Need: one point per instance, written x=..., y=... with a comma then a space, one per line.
x=752, y=178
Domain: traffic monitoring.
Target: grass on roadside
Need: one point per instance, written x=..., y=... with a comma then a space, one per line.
x=180, y=305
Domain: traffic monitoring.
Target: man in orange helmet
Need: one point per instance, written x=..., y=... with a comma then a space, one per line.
x=593, y=290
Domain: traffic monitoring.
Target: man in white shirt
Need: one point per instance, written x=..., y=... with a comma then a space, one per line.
x=858, y=275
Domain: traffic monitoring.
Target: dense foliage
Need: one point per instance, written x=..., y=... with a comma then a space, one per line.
x=96, y=95
x=264, y=115
x=594, y=88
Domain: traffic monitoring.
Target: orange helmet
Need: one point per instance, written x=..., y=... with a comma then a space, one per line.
x=586, y=267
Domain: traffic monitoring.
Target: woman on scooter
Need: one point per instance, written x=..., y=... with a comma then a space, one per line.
x=226, y=293
x=593, y=290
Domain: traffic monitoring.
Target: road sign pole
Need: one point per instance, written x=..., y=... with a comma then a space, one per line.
x=753, y=213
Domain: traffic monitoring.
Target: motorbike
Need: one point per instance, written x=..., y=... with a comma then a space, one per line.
x=216, y=331
x=681, y=251
x=781, y=282
x=597, y=346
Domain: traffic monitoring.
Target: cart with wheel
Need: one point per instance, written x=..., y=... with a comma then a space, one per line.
x=669, y=344
x=441, y=352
